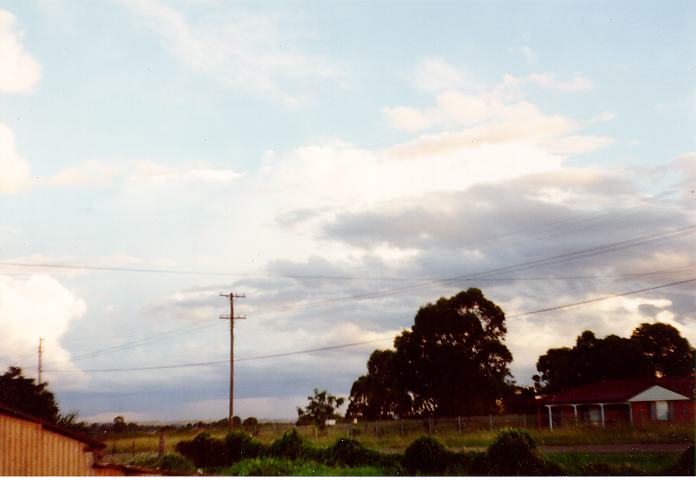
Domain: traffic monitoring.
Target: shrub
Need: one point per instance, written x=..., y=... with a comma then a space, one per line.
x=240, y=445
x=203, y=451
x=208, y=452
x=292, y=445
x=685, y=464
x=174, y=463
x=261, y=467
x=145, y=460
x=426, y=455
x=251, y=425
x=350, y=453
x=514, y=452
x=606, y=470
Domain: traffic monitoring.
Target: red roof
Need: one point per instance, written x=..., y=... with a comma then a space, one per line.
x=609, y=391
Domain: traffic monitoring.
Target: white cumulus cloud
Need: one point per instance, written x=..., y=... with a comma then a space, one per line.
x=14, y=170
x=38, y=306
x=19, y=72
x=436, y=74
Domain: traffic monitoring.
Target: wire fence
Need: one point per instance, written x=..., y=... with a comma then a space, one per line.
x=409, y=427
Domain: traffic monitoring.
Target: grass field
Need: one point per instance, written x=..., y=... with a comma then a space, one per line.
x=388, y=436
x=645, y=463
x=649, y=464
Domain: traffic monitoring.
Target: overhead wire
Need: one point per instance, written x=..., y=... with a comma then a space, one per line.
x=572, y=221
x=597, y=250
x=243, y=359
x=576, y=255
x=334, y=347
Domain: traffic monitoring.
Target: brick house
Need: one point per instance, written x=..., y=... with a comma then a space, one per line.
x=636, y=402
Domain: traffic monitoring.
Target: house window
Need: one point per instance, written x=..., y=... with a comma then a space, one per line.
x=661, y=410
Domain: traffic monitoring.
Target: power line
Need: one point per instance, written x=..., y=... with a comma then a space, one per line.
x=334, y=347
x=189, y=329
x=576, y=255
x=572, y=221
x=161, y=336
x=570, y=256
x=220, y=362
x=599, y=299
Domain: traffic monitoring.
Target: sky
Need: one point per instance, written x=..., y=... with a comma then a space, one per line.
x=341, y=164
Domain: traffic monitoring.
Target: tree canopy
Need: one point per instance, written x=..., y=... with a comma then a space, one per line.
x=451, y=362
x=652, y=350
x=322, y=406
x=25, y=395
x=669, y=352
x=380, y=393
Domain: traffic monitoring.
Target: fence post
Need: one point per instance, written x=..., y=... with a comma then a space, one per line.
x=160, y=449
x=133, y=448
x=430, y=425
x=459, y=425
x=490, y=420
x=402, y=426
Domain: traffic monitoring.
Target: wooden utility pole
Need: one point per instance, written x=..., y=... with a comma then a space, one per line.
x=231, y=318
x=40, y=359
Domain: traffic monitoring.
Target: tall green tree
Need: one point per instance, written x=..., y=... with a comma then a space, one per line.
x=379, y=394
x=25, y=395
x=451, y=362
x=322, y=406
x=652, y=350
x=670, y=353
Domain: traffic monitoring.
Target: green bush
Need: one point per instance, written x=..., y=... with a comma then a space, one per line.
x=426, y=455
x=514, y=452
x=204, y=451
x=292, y=445
x=606, y=470
x=240, y=445
x=251, y=425
x=261, y=467
x=174, y=463
x=685, y=464
x=348, y=452
x=145, y=460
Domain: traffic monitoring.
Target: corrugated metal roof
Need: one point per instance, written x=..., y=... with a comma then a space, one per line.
x=609, y=391
x=53, y=427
